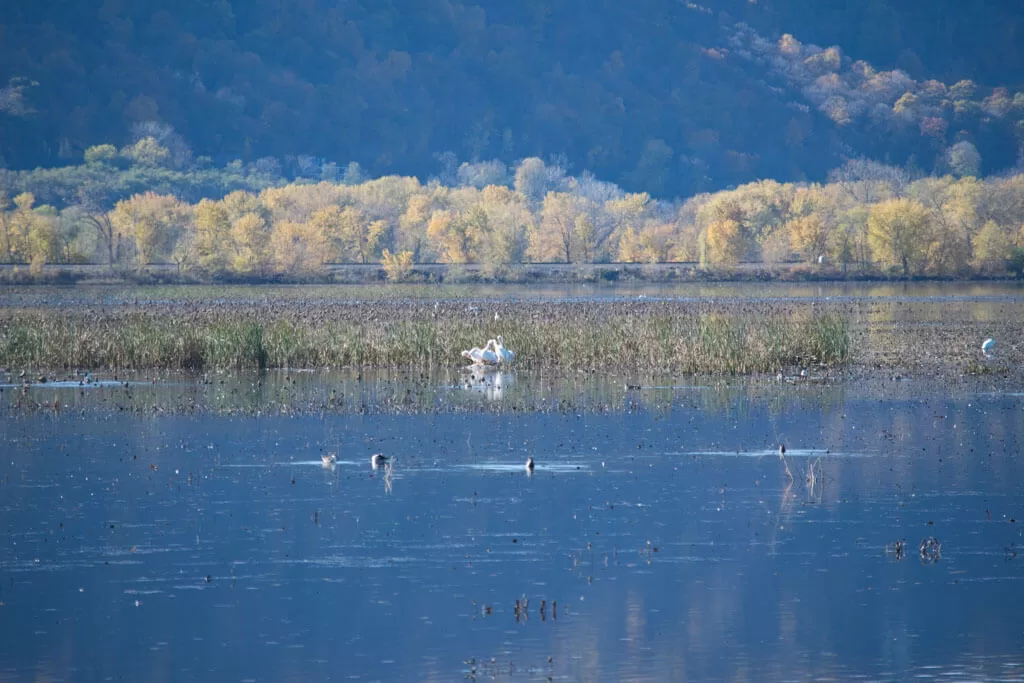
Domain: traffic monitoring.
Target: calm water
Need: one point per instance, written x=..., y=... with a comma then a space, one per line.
x=188, y=531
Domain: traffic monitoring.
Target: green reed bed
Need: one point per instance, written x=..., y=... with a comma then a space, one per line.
x=574, y=338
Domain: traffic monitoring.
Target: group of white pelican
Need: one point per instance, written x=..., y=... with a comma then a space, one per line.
x=494, y=353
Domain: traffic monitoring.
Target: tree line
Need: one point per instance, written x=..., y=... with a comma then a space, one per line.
x=868, y=217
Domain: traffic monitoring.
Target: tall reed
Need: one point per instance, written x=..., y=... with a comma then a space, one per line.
x=572, y=337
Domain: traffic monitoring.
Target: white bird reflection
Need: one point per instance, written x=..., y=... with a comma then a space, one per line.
x=487, y=380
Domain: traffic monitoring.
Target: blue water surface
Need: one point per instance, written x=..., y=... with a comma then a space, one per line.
x=661, y=537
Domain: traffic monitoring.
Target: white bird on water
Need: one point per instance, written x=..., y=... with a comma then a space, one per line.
x=328, y=460
x=378, y=460
x=504, y=355
x=988, y=347
x=484, y=356
x=529, y=464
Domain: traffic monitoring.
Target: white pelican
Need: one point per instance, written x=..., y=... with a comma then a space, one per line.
x=988, y=347
x=529, y=464
x=484, y=356
x=328, y=460
x=504, y=355
x=378, y=460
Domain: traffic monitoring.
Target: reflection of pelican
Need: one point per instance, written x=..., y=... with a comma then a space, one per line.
x=378, y=460
x=529, y=464
x=988, y=347
x=484, y=356
x=504, y=355
x=488, y=381
x=328, y=460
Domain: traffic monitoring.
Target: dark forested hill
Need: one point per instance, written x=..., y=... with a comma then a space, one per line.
x=656, y=95
x=948, y=40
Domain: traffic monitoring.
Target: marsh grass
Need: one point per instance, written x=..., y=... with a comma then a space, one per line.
x=572, y=338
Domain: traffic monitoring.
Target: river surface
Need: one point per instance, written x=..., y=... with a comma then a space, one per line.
x=187, y=529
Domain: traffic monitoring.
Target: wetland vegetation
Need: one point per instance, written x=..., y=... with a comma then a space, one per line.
x=646, y=337
x=649, y=331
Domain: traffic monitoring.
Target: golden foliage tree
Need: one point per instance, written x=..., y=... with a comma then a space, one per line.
x=652, y=244
x=212, y=244
x=17, y=227
x=253, y=254
x=43, y=243
x=358, y=238
x=153, y=222
x=452, y=237
x=808, y=236
x=554, y=237
x=992, y=248
x=899, y=231
x=508, y=220
x=298, y=248
x=396, y=266
x=725, y=242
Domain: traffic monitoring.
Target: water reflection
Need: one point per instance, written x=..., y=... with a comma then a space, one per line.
x=661, y=536
x=490, y=382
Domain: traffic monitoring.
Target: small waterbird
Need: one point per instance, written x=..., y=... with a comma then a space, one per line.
x=378, y=460
x=328, y=460
x=529, y=464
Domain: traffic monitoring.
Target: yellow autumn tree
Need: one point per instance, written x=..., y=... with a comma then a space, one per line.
x=212, y=245
x=808, y=236
x=992, y=248
x=398, y=266
x=725, y=243
x=456, y=236
x=327, y=223
x=152, y=222
x=358, y=237
x=652, y=244
x=297, y=248
x=18, y=226
x=411, y=233
x=253, y=255
x=508, y=219
x=899, y=231
x=42, y=240
x=556, y=237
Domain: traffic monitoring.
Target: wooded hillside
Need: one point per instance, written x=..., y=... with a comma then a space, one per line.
x=657, y=96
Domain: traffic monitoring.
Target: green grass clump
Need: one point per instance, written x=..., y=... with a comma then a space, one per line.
x=574, y=337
